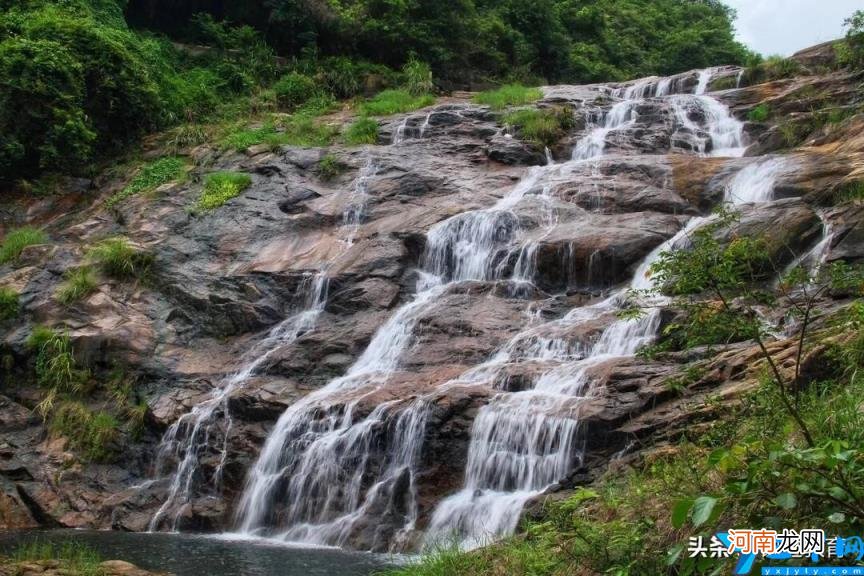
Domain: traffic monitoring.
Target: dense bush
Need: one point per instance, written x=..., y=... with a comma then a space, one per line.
x=294, y=89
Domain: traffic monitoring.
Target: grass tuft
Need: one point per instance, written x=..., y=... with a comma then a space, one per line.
x=117, y=258
x=150, y=177
x=8, y=303
x=78, y=559
x=17, y=240
x=88, y=432
x=543, y=127
x=391, y=102
x=220, y=187
x=80, y=282
x=759, y=114
x=329, y=167
x=364, y=130
x=509, y=95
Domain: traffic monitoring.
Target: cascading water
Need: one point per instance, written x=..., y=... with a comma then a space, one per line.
x=191, y=436
x=704, y=117
x=301, y=465
x=755, y=182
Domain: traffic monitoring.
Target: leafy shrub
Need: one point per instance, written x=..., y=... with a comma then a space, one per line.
x=759, y=114
x=90, y=432
x=391, y=102
x=117, y=258
x=221, y=187
x=16, y=240
x=364, y=130
x=329, y=167
x=543, y=127
x=417, y=77
x=79, y=283
x=509, y=95
x=8, y=303
x=855, y=38
x=150, y=177
x=294, y=89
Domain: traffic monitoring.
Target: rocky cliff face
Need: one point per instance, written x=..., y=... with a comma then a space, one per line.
x=380, y=312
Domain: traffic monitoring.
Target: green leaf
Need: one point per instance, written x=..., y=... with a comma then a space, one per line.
x=702, y=509
x=679, y=512
x=673, y=554
x=786, y=501
x=837, y=518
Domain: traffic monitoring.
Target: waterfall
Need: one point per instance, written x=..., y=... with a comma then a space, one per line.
x=705, y=77
x=523, y=442
x=296, y=489
x=708, y=120
x=343, y=460
x=189, y=437
x=621, y=115
x=755, y=182
x=399, y=136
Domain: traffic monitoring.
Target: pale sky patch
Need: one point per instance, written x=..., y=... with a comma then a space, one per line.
x=786, y=26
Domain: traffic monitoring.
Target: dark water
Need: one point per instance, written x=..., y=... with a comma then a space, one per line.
x=190, y=555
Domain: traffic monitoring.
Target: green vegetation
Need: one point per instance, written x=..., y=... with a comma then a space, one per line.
x=150, y=177
x=80, y=84
x=294, y=89
x=364, y=130
x=295, y=130
x=329, y=167
x=849, y=192
x=769, y=69
x=117, y=258
x=542, y=127
x=759, y=114
x=56, y=368
x=8, y=303
x=76, y=558
x=90, y=433
x=855, y=39
x=18, y=239
x=79, y=282
x=417, y=77
x=391, y=102
x=509, y=95
x=220, y=187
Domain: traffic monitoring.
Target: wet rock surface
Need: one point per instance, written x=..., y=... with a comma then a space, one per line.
x=221, y=281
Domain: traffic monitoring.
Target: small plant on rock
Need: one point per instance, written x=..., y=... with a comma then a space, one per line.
x=759, y=114
x=8, y=303
x=329, y=167
x=80, y=282
x=118, y=258
x=220, y=187
x=16, y=240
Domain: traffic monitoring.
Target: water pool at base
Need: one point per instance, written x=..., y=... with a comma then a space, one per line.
x=196, y=555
